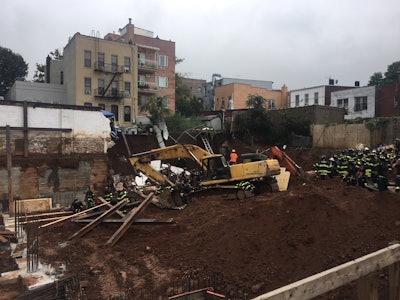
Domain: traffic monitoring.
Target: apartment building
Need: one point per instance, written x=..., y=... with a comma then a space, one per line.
x=231, y=93
x=118, y=73
x=317, y=95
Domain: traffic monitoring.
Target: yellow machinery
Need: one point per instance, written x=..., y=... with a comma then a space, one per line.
x=215, y=171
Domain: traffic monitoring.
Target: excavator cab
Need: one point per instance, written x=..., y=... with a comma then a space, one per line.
x=215, y=167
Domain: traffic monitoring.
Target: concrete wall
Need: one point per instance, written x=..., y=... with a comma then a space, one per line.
x=35, y=91
x=78, y=130
x=350, y=135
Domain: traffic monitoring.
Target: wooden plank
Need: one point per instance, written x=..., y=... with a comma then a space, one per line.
x=98, y=220
x=7, y=232
x=137, y=221
x=121, y=214
x=333, y=278
x=129, y=220
x=367, y=287
x=72, y=216
x=394, y=281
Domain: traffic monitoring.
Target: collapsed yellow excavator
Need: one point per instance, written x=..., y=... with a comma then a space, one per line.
x=216, y=172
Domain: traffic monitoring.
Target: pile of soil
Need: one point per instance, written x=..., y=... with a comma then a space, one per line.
x=240, y=248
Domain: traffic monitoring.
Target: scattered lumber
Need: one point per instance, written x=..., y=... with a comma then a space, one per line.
x=72, y=216
x=128, y=221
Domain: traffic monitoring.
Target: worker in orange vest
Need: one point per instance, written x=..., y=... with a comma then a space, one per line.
x=234, y=157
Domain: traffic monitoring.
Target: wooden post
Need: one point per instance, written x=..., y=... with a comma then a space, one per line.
x=26, y=142
x=9, y=167
x=126, y=143
x=394, y=281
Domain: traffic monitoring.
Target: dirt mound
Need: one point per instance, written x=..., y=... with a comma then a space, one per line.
x=242, y=248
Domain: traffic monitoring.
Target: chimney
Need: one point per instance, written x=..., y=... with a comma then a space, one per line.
x=331, y=81
x=356, y=83
x=130, y=20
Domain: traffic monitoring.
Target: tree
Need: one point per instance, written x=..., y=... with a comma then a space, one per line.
x=390, y=75
x=12, y=67
x=185, y=102
x=376, y=79
x=39, y=73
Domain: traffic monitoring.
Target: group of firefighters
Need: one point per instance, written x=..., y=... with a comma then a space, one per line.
x=364, y=167
x=111, y=197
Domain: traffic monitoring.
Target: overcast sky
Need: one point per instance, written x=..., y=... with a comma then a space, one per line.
x=300, y=43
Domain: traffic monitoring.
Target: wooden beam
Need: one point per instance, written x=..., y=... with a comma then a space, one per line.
x=128, y=221
x=137, y=221
x=120, y=213
x=72, y=216
x=97, y=221
x=331, y=279
x=9, y=168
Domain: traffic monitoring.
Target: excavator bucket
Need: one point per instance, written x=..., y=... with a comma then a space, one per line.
x=286, y=161
x=168, y=199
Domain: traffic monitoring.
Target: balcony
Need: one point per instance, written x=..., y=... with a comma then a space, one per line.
x=147, y=87
x=110, y=94
x=108, y=68
x=147, y=65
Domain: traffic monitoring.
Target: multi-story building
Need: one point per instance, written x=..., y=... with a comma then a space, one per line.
x=232, y=93
x=359, y=102
x=118, y=73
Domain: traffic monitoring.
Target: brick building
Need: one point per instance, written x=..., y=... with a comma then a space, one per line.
x=119, y=73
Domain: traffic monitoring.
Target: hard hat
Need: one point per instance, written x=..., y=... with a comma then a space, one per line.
x=233, y=150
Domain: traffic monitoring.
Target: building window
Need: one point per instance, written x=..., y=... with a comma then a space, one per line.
x=100, y=84
x=114, y=63
x=305, y=99
x=61, y=77
x=127, y=90
x=271, y=104
x=114, y=110
x=142, y=100
x=141, y=59
x=360, y=103
x=100, y=60
x=88, y=86
x=163, y=61
x=114, y=88
x=343, y=103
x=222, y=102
x=165, y=102
x=297, y=102
x=102, y=106
x=316, y=98
x=87, y=104
x=127, y=113
x=162, y=81
x=88, y=58
x=127, y=64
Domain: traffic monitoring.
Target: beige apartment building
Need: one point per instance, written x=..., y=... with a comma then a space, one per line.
x=119, y=72
x=234, y=96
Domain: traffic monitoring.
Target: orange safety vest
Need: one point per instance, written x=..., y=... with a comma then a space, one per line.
x=234, y=158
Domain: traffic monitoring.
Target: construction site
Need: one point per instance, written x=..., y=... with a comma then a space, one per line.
x=290, y=236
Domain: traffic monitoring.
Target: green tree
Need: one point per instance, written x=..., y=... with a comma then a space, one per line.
x=186, y=103
x=12, y=67
x=157, y=108
x=390, y=75
x=254, y=123
x=39, y=73
x=376, y=79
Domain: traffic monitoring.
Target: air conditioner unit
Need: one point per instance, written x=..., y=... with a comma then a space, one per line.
x=126, y=69
x=127, y=94
x=88, y=92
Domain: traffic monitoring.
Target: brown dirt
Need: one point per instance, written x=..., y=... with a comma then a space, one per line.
x=241, y=248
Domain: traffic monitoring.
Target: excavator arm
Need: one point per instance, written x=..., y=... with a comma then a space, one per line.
x=141, y=161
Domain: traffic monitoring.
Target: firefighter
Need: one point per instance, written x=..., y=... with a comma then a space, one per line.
x=89, y=198
x=122, y=195
x=323, y=168
x=396, y=168
x=109, y=196
x=76, y=206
